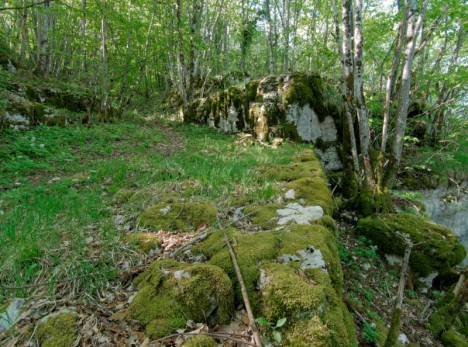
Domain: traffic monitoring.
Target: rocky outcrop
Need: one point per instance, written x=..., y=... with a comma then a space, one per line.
x=26, y=106
x=297, y=106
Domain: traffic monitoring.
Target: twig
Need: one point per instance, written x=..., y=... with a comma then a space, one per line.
x=245, y=296
x=200, y=237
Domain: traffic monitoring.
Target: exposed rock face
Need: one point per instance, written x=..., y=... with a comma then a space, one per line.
x=27, y=106
x=296, y=106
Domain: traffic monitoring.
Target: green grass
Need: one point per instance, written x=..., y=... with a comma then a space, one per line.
x=57, y=188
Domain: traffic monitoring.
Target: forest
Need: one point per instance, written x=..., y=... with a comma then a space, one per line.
x=233, y=173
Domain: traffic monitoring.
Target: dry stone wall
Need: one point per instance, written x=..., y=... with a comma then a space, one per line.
x=289, y=262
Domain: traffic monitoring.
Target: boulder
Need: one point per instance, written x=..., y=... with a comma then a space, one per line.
x=171, y=293
x=438, y=249
x=58, y=329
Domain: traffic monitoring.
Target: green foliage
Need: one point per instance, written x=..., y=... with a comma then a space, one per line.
x=272, y=329
x=370, y=333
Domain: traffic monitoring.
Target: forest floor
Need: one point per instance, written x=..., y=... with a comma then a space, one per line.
x=65, y=211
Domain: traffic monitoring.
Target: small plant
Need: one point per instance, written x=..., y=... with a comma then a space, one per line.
x=410, y=293
x=370, y=333
x=272, y=328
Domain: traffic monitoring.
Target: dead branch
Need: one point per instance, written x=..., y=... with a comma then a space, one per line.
x=245, y=296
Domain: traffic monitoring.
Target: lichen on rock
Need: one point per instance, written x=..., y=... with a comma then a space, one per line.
x=172, y=293
x=179, y=216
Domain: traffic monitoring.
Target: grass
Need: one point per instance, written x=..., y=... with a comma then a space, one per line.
x=57, y=188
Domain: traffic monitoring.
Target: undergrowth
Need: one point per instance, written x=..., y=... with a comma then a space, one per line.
x=57, y=188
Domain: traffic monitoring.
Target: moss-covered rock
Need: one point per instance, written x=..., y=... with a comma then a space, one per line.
x=172, y=293
x=146, y=242
x=123, y=195
x=438, y=249
x=58, y=330
x=200, y=341
x=293, y=171
x=179, y=216
x=255, y=250
x=316, y=315
x=314, y=191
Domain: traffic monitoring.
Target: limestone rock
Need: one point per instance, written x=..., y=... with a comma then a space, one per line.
x=297, y=214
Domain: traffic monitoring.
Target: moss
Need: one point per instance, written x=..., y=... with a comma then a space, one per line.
x=200, y=341
x=179, y=216
x=293, y=171
x=307, y=303
x=439, y=249
x=58, y=330
x=329, y=223
x=176, y=292
x=143, y=241
x=123, y=195
x=310, y=333
x=166, y=326
x=264, y=215
x=314, y=190
x=253, y=250
x=453, y=339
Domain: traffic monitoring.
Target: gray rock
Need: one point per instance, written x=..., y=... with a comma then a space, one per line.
x=297, y=214
x=9, y=317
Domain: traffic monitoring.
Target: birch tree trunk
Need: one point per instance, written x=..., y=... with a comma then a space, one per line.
x=269, y=38
x=347, y=66
x=104, y=65
x=361, y=110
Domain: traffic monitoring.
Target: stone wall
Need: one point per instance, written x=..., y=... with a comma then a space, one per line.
x=297, y=106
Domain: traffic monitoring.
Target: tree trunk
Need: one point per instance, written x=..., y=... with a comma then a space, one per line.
x=404, y=93
x=348, y=67
x=104, y=65
x=361, y=110
x=271, y=58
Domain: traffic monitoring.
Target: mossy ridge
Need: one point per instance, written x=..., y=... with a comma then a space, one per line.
x=200, y=341
x=59, y=330
x=317, y=314
x=293, y=171
x=179, y=216
x=314, y=191
x=199, y=292
x=255, y=250
x=439, y=250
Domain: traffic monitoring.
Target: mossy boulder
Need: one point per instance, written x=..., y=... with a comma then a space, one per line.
x=438, y=249
x=146, y=242
x=200, y=341
x=179, y=216
x=172, y=293
x=58, y=330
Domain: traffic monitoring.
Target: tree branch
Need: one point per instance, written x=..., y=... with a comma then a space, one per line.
x=24, y=7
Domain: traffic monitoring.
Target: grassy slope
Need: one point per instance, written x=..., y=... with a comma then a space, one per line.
x=57, y=188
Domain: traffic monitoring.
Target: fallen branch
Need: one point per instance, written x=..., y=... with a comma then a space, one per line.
x=245, y=296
